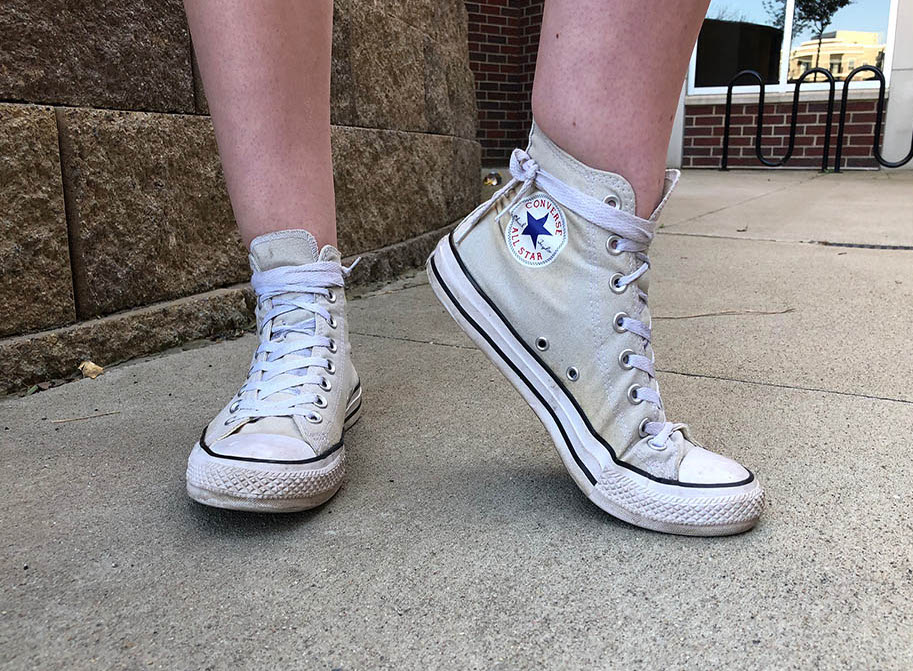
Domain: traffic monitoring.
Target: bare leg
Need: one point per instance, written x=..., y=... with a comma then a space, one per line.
x=608, y=78
x=266, y=70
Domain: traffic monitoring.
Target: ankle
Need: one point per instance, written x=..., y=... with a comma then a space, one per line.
x=643, y=168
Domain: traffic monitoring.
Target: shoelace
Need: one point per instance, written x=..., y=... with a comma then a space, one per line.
x=278, y=383
x=630, y=234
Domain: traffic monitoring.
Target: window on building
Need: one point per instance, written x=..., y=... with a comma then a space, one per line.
x=738, y=36
x=782, y=39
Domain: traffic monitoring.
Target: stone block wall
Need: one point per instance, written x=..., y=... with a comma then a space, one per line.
x=113, y=210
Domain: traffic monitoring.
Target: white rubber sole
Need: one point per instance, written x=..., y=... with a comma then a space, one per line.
x=615, y=488
x=269, y=487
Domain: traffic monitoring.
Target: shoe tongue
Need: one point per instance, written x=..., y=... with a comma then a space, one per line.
x=596, y=183
x=283, y=248
x=273, y=250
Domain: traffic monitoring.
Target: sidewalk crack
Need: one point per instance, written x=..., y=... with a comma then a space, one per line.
x=863, y=245
x=418, y=341
x=778, y=385
x=788, y=185
x=387, y=292
x=722, y=236
x=823, y=243
x=722, y=378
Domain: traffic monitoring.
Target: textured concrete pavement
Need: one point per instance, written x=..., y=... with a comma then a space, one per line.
x=459, y=542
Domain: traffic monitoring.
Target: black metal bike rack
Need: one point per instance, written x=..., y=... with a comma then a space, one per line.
x=879, y=117
x=724, y=165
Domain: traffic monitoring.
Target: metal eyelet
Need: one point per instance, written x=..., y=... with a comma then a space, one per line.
x=332, y=322
x=611, y=245
x=314, y=417
x=321, y=402
x=624, y=359
x=331, y=367
x=615, y=286
x=325, y=384
x=572, y=374
x=233, y=408
x=642, y=429
x=541, y=344
x=632, y=395
x=331, y=296
x=612, y=201
x=332, y=346
x=658, y=448
x=618, y=322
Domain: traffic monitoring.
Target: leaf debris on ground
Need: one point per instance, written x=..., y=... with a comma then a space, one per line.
x=77, y=419
x=90, y=370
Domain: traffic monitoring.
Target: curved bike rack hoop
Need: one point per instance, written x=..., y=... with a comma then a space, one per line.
x=724, y=163
x=879, y=117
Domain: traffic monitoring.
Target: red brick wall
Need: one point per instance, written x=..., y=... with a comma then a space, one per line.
x=503, y=39
x=528, y=39
x=704, y=134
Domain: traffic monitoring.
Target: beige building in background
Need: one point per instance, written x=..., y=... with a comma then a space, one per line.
x=841, y=52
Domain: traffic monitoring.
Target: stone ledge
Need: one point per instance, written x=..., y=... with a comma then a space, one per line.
x=55, y=354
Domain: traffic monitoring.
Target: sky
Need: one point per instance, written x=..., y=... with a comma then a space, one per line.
x=865, y=15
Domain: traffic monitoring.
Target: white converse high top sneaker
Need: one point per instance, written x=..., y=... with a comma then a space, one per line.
x=278, y=444
x=548, y=278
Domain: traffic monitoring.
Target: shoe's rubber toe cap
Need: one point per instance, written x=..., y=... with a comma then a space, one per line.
x=263, y=447
x=703, y=467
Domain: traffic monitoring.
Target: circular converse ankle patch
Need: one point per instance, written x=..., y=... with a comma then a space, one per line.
x=537, y=231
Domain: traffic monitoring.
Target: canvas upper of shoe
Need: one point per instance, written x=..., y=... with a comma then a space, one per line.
x=595, y=340
x=293, y=404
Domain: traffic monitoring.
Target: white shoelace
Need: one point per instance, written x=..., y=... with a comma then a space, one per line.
x=633, y=235
x=278, y=383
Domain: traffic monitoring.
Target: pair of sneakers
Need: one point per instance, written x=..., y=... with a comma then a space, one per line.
x=548, y=278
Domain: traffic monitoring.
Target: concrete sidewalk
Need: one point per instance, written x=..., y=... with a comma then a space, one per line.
x=459, y=542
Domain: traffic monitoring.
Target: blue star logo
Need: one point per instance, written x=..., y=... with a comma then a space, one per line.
x=535, y=227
